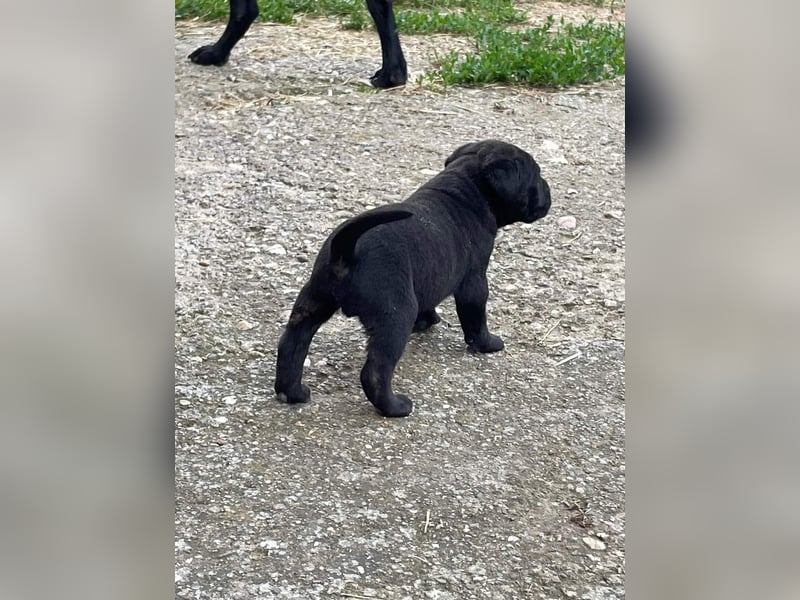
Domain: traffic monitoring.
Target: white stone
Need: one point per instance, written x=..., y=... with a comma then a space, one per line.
x=567, y=222
x=549, y=145
x=594, y=543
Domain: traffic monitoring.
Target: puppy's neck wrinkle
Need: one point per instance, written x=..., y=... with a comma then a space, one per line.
x=462, y=197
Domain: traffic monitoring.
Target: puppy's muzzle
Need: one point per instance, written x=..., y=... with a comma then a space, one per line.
x=539, y=201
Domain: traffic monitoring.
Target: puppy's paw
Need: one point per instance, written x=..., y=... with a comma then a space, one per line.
x=396, y=406
x=492, y=343
x=425, y=320
x=209, y=55
x=297, y=395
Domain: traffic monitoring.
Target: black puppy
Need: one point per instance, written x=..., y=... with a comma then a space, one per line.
x=391, y=266
x=393, y=71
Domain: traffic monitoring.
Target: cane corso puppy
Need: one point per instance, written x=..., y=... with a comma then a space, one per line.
x=392, y=73
x=392, y=265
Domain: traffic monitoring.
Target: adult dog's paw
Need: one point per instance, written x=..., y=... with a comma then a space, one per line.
x=389, y=78
x=209, y=55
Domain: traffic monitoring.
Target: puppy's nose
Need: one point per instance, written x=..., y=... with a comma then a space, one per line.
x=544, y=197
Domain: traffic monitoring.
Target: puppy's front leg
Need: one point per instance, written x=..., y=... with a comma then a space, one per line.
x=310, y=311
x=471, y=297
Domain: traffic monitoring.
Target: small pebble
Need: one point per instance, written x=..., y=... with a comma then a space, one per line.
x=276, y=249
x=567, y=222
x=594, y=543
x=244, y=325
x=549, y=145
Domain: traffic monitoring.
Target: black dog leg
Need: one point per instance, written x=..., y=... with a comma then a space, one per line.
x=243, y=13
x=309, y=313
x=425, y=320
x=471, y=299
x=386, y=344
x=393, y=71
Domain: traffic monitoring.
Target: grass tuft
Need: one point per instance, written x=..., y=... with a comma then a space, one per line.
x=471, y=18
x=540, y=56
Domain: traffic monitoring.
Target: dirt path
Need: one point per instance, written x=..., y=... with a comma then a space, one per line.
x=508, y=479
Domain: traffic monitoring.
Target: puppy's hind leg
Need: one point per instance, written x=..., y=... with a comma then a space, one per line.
x=471, y=297
x=388, y=338
x=311, y=309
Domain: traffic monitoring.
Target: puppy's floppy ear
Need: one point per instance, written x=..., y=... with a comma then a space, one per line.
x=506, y=181
x=466, y=149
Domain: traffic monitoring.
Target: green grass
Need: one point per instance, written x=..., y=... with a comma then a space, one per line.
x=540, y=56
x=413, y=16
x=543, y=56
x=473, y=16
x=273, y=11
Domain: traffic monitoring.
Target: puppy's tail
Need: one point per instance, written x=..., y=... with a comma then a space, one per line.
x=343, y=242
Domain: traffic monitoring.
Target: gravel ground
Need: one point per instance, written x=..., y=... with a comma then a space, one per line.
x=507, y=481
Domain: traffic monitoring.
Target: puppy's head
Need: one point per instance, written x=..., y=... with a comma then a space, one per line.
x=509, y=178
